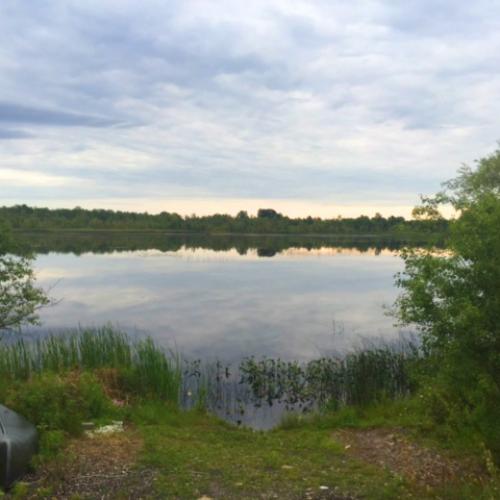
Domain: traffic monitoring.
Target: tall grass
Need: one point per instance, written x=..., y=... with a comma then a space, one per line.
x=258, y=391
x=144, y=367
x=359, y=378
x=141, y=368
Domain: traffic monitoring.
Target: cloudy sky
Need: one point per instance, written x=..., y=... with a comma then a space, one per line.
x=310, y=107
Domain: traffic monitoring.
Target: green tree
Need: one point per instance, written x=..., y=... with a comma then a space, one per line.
x=20, y=298
x=454, y=299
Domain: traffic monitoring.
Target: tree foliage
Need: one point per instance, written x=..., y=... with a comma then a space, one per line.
x=20, y=298
x=267, y=221
x=454, y=298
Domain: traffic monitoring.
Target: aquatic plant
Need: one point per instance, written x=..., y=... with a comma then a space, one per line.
x=361, y=377
x=141, y=368
x=144, y=368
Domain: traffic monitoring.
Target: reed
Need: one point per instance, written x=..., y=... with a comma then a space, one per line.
x=258, y=392
x=146, y=368
x=359, y=378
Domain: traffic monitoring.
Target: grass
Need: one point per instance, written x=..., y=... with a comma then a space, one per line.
x=59, y=382
x=196, y=454
x=142, y=367
x=193, y=454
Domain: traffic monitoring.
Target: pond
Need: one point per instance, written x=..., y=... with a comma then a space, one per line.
x=223, y=297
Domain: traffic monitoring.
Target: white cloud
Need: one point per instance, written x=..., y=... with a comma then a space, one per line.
x=362, y=103
x=11, y=177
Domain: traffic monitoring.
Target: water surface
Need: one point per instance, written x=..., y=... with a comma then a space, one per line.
x=296, y=302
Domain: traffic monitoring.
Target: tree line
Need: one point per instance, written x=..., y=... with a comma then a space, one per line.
x=267, y=221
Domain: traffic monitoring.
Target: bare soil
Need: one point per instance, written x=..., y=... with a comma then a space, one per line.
x=392, y=449
x=100, y=467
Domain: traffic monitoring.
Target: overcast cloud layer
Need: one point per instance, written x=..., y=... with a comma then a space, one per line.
x=320, y=107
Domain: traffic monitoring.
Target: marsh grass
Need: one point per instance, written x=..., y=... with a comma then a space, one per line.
x=359, y=378
x=144, y=368
x=260, y=392
x=254, y=389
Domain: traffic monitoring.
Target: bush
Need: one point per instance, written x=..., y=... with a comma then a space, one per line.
x=59, y=403
x=454, y=299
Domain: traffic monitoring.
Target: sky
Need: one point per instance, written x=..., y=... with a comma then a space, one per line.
x=320, y=108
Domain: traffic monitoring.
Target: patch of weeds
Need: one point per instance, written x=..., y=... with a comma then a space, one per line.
x=199, y=455
x=56, y=402
x=155, y=412
x=43, y=492
x=20, y=490
x=348, y=416
x=332, y=445
x=291, y=421
x=51, y=443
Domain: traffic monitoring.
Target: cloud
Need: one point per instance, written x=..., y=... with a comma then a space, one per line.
x=9, y=178
x=361, y=101
x=13, y=134
x=15, y=113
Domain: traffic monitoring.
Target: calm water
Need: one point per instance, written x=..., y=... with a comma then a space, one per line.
x=292, y=302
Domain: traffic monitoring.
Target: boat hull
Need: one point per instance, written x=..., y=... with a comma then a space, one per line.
x=18, y=444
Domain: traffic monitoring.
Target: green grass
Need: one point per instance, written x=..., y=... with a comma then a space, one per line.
x=359, y=378
x=196, y=454
x=143, y=367
x=59, y=382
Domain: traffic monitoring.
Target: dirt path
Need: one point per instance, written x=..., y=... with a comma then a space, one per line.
x=103, y=467
x=392, y=449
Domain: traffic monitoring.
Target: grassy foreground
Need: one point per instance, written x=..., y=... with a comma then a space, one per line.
x=383, y=447
x=174, y=454
x=197, y=455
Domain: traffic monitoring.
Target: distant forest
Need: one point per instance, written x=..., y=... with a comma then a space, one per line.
x=267, y=221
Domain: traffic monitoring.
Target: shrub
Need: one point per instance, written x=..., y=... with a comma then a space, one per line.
x=454, y=299
x=59, y=403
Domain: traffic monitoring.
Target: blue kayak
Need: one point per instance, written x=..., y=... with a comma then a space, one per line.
x=18, y=444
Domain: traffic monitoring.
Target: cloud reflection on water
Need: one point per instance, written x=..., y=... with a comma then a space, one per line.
x=221, y=304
